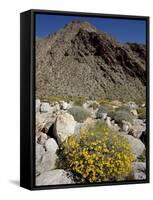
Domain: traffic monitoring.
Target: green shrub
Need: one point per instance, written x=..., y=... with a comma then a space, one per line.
x=97, y=155
x=123, y=108
x=142, y=113
x=54, y=98
x=79, y=113
x=120, y=115
x=103, y=109
x=104, y=101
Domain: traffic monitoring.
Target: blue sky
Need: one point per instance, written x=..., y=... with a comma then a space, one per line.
x=124, y=30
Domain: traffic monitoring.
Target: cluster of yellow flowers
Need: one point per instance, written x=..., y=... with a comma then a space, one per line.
x=98, y=154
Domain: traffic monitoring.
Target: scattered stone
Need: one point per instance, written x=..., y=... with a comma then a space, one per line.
x=48, y=125
x=64, y=127
x=45, y=107
x=126, y=126
x=137, y=146
x=54, y=177
x=134, y=112
x=51, y=145
x=101, y=113
x=108, y=122
x=132, y=105
x=64, y=105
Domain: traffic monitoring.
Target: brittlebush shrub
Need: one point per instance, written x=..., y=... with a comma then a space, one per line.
x=98, y=154
x=79, y=113
x=121, y=115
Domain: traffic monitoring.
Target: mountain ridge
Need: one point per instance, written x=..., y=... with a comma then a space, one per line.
x=79, y=60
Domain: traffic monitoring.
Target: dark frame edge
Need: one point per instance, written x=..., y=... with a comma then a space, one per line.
x=25, y=101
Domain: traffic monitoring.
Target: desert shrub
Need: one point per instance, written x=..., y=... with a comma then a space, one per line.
x=98, y=154
x=120, y=115
x=79, y=100
x=94, y=105
x=79, y=113
x=142, y=113
x=53, y=98
x=123, y=108
x=104, y=101
x=103, y=109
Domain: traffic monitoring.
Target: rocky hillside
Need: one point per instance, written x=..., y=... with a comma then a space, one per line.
x=80, y=60
x=58, y=123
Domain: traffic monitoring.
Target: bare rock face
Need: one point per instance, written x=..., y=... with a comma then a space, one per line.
x=80, y=60
x=64, y=127
x=54, y=177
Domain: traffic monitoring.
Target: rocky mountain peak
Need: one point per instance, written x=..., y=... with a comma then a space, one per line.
x=79, y=60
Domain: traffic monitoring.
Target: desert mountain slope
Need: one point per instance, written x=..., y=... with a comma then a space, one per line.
x=80, y=60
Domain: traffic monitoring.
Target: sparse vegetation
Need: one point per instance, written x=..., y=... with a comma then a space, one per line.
x=94, y=105
x=120, y=115
x=123, y=108
x=103, y=109
x=79, y=113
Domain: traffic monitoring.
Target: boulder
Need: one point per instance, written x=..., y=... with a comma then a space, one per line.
x=38, y=105
x=64, y=105
x=139, y=169
x=137, y=128
x=54, y=177
x=40, y=151
x=44, y=121
x=134, y=112
x=45, y=107
x=64, y=127
x=42, y=138
x=126, y=126
x=108, y=122
x=102, y=115
x=47, y=162
x=51, y=145
x=137, y=146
